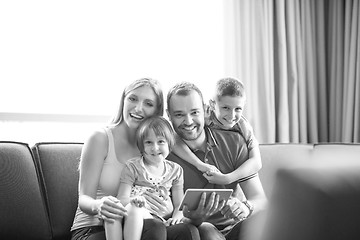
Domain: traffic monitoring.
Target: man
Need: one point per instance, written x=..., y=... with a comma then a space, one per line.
x=224, y=149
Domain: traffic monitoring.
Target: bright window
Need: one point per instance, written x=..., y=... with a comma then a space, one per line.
x=74, y=58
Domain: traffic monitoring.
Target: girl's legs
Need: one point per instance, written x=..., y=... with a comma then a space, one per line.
x=134, y=222
x=113, y=230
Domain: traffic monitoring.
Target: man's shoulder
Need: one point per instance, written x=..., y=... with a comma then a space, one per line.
x=172, y=157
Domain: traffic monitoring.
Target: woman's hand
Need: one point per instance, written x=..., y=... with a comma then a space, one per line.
x=110, y=208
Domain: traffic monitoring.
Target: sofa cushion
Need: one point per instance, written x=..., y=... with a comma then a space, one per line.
x=58, y=163
x=22, y=207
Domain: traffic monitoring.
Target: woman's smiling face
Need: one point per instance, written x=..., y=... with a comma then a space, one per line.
x=139, y=104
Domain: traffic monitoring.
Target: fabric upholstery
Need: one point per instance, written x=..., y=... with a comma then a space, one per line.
x=313, y=191
x=22, y=208
x=58, y=163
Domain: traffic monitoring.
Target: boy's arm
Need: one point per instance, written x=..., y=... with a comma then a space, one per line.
x=248, y=168
x=184, y=152
x=253, y=164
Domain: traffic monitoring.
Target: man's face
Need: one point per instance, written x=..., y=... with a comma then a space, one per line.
x=187, y=115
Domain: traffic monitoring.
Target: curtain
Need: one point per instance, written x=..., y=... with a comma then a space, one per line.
x=300, y=63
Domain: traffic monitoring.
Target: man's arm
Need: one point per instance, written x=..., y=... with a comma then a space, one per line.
x=255, y=195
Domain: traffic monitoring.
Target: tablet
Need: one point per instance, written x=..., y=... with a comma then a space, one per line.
x=192, y=196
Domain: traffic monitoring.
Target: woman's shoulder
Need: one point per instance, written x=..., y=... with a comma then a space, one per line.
x=98, y=139
x=98, y=135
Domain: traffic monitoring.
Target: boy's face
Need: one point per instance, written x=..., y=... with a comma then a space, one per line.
x=156, y=148
x=228, y=110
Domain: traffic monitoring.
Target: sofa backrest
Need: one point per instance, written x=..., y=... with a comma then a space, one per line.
x=58, y=164
x=337, y=152
x=22, y=207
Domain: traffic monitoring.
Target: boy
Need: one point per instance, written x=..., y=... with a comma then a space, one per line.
x=225, y=112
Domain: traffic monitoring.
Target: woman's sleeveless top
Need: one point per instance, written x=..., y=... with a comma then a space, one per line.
x=108, y=185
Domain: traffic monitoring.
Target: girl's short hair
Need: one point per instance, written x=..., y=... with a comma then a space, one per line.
x=160, y=126
x=229, y=87
x=154, y=84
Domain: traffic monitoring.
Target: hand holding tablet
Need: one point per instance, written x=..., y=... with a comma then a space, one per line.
x=192, y=196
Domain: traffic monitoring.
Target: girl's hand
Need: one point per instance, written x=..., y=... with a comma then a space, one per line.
x=138, y=201
x=175, y=219
x=110, y=208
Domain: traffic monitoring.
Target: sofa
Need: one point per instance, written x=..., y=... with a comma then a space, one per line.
x=313, y=190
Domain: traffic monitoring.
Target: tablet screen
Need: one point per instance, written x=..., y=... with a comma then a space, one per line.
x=192, y=196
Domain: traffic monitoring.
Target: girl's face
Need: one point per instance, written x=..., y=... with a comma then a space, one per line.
x=139, y=104
x=156, y=148
x=228, y=110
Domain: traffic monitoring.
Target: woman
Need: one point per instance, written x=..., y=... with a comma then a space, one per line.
x=103, y=157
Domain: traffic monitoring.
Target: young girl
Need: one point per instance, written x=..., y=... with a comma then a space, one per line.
x=225, y=112
x=149, y=174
